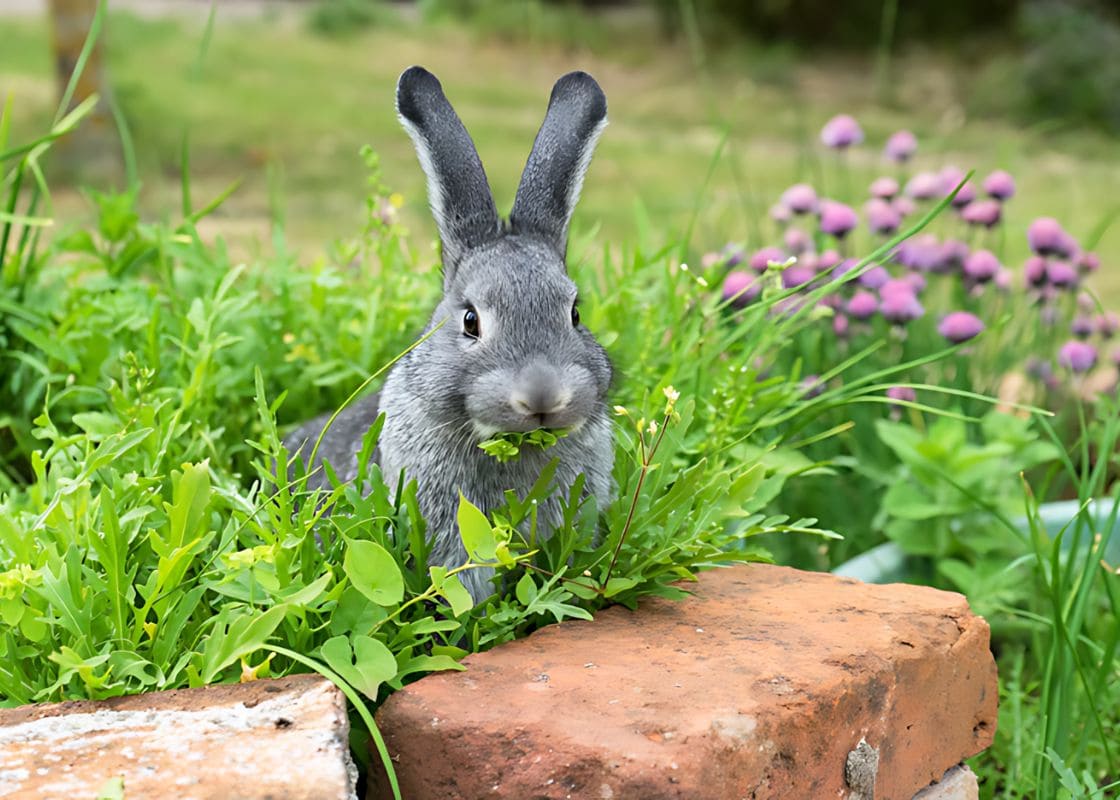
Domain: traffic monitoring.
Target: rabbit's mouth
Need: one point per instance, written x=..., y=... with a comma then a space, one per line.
x=487, y=430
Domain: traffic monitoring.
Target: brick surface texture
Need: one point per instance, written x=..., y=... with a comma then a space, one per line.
x=959, y=783
x=285, y=738
x=757, y=687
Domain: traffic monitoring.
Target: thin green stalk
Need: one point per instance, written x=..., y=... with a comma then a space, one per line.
x=356, y=701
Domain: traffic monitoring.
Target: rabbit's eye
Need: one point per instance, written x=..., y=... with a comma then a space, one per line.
x=470, y=323
x=575, y=315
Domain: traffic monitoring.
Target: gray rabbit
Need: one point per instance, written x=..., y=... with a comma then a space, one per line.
x=511, y=354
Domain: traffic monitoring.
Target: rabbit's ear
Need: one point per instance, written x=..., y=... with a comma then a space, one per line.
x=553, y=176
x=458, y=192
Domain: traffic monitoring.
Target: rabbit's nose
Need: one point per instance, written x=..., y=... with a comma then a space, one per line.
x=538, y=391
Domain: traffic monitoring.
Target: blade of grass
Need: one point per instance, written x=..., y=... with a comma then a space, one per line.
x=356, y=701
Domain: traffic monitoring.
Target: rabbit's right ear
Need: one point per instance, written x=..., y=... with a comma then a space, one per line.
x=553, y=176
x=458, y=192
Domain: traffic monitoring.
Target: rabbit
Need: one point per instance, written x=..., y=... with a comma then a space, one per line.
x=512, y=354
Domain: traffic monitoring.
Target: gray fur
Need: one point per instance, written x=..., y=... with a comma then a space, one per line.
x=529, y=368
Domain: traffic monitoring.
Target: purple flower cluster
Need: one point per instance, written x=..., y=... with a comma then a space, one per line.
x=965, y=261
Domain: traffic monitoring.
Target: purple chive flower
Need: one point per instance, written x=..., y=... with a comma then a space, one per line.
x=1088, y=262
x=863, y=305
x=733, y=255
x=1107, y=324
x=1034, y=270
x=1077, y=356
x=982, y=212
x=837, y=219
x=901, y=146
x=882, y=218
x=797, y=241
x=780, y=214
x=897, y=285
x=1114, y=356
x=1039, y=368
x=841, y=132
x=797, y=275
x=1002, y=281
x=916, y=281
x=760, y=261
x=788, y=306
x=801, y=198
x=903, y=205
x=953, y=254
x=1062, y=275
x=951, y=177
x=922, y=252
x=960, y=326
x=1046, y=237
x=844, y=267
x=832, y=301
x=924, y=186
x=898, y=308
x=740, y=288
x=1081, y=327
x=885, y=188
x=1000, y=185
x=874, y=278
x=827, y=260
x=981, y=266
x=840, y=325
x=812, y=386
x=900, y=394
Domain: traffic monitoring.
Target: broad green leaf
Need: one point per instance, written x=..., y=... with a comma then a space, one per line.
x=476, y=532
x=452, y=590
x=618, y=585
x=373, y=571
x=526, y=590
x=364, y=662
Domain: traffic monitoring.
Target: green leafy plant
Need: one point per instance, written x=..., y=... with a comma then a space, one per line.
x=506, y=446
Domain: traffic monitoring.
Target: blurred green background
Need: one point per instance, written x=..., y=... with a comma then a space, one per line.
x=715, y=105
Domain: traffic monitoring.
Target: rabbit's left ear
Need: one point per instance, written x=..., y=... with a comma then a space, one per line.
x=553, y=176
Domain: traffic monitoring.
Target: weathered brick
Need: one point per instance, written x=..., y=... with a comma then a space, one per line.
x=264, y=739
x=758, y=687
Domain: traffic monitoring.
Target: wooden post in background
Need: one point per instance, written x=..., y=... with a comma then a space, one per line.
x=91, y=151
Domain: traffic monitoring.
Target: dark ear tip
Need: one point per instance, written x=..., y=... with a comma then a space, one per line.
x=581, y=87
x=413, y=83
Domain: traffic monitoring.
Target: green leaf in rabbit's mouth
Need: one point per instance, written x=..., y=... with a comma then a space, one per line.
x=506, y=446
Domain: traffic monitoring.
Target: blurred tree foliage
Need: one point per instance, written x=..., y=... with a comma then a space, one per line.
x=1071, y=62
x=851, y=23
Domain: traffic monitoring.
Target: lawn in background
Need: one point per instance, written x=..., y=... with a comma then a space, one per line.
x=288, y=110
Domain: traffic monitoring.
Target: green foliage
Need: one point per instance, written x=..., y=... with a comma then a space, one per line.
x=150, y=533
x=1070, y=70
x=939, y=500
x=345, y=17
x=506, y=446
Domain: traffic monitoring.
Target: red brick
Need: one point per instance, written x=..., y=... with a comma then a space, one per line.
x=758, y=687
